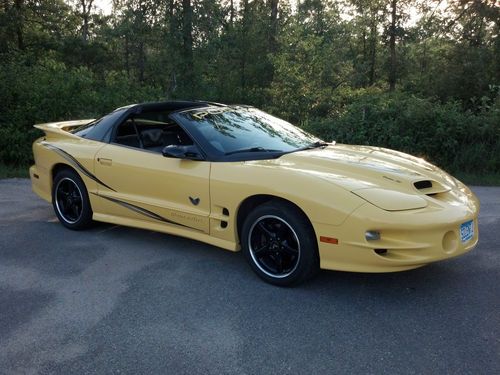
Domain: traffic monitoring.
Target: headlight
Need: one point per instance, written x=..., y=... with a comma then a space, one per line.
x=391, y=200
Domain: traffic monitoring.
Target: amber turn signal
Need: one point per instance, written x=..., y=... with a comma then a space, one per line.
x=331, y=240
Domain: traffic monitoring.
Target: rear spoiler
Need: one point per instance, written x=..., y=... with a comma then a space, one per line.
x=62, y=128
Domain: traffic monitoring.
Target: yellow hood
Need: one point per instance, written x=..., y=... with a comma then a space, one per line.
x=386, y=178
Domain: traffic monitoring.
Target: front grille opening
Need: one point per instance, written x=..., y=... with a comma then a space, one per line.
x=424, y=184
x=380, y=251
x=225, y=211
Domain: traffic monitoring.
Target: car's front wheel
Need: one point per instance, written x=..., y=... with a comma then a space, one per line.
x=70, y=200
x=279, y=243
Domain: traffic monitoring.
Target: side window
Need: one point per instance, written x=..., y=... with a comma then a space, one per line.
x=151, y=131
x=127, y=135
x=155, y=138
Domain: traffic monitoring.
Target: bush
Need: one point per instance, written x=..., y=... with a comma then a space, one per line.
x=50, y=91
x=457, y=140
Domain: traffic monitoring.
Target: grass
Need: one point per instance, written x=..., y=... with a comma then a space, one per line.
x=492, y=179
x=9, y=171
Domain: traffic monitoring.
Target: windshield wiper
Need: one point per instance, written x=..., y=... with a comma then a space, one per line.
x=251, y=149
x=314, y=145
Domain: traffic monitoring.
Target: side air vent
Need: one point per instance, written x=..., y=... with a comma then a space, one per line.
x=223, y=223
x=424, y=184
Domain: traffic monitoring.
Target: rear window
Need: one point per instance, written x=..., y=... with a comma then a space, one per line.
x=99, y=129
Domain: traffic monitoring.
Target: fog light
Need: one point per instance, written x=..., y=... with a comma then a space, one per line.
x=450, y=242
x=372, y=235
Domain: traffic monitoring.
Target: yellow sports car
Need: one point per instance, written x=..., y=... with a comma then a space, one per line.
x=239, y=178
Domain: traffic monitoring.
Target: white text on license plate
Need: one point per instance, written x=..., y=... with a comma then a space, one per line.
x=467, y=231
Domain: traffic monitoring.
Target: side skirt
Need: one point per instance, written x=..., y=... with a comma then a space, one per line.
x=178, y=231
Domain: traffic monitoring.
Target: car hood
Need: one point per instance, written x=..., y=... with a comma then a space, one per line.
x=389, y=179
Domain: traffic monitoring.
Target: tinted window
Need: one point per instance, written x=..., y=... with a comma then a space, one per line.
x=151, y=131
x=230, y=130
x=98, y=129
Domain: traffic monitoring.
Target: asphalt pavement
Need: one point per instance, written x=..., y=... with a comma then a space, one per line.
x=116, y=300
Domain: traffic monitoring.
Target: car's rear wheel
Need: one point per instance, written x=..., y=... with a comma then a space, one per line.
x=279, y=243
x=71, y=201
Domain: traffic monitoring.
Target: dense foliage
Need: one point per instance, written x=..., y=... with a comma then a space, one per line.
x=419, y=76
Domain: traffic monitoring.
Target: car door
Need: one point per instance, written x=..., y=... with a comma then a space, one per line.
x=145, y=185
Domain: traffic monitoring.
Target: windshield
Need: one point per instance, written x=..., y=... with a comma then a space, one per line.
x=230, y=130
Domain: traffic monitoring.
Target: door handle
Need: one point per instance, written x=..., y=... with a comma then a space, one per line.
x=104, y=161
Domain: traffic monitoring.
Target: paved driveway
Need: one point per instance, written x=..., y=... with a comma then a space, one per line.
x=121, y=300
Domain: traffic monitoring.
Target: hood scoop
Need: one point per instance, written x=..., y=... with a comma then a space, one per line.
x=422, y=185
x=430, y=187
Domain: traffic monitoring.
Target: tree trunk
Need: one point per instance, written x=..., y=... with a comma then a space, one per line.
x=170, y=17
x=170, y=46
x=392, y=47
x=373, y=52
x=243, y=49
x=127, y=56
x=141, y=63
x=363, y=38
x=20, y=23
x=274, y=25
x=231, y=13
x=187, y=43
x=86, y=8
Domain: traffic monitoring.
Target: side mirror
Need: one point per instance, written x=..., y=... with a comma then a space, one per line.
x=190, y=152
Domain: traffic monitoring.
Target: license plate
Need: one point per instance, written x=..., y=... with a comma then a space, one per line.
x=467, y=231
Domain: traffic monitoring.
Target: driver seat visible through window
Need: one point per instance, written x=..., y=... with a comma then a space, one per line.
x=152, y=139
x=149, y=135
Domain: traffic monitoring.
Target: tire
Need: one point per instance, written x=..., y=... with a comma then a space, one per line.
x=70, y=200
x=279, y=244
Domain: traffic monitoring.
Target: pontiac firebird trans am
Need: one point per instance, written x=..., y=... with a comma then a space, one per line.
x=239, y=178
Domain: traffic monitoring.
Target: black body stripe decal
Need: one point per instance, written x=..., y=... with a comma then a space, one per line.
x=143, y=211
x=75, y=163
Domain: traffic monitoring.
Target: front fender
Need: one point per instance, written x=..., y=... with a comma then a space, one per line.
x=322, y=202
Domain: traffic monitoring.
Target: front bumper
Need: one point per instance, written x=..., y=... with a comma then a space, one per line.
x=409, y=239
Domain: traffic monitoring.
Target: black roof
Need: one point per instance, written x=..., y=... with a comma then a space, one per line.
x=100, y=130
x=174, y=105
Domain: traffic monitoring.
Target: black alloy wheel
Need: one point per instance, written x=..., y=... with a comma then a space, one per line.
x=274, y=246
x=279, y=243
x=70, y=200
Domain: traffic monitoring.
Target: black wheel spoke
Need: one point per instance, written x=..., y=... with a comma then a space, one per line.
x=279, y=263
x=274, y=246
x=261, y=250
x=75, y=211
x=289, y=250
x=265, y=230
x=282, y=231
x=62, y=204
